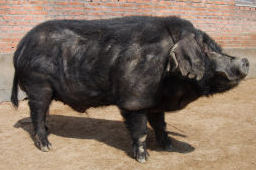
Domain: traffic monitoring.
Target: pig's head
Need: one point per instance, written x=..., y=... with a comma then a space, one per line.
x=197, y=58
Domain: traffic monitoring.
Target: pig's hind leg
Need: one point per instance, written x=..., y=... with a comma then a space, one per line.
x=40, y=96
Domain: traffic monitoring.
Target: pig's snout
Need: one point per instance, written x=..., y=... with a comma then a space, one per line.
x=242, y=67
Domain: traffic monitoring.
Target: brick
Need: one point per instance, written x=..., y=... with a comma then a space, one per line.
x=112, y=4
x=76, y=3
x=17, y=12
x=37, y=2
x=37, y=12
x=39, y=8
x=137, y=1
x=146, y=6
x=125, y=5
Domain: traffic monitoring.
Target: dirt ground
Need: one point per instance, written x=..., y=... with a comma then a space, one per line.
x=212, y=133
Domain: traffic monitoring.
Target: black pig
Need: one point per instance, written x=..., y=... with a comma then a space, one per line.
x=143, y=65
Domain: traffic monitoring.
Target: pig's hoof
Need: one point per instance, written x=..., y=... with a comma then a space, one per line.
x=169, y=147
x=42, y=143
x=140, y=154
x=142, y=157
x=46, y=148
x=165, y=142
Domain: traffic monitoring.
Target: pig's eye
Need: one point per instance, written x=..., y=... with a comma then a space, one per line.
x=211, y=54
x=205, y=48
x=232, y=58
x=222, y=74
x=214, y=55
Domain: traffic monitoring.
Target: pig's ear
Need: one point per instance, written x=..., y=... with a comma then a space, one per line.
x=187, y=57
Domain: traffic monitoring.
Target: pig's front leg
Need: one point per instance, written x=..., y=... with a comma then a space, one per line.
x=136, y=123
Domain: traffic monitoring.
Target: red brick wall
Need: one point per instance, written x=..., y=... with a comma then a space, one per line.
x=230, y=25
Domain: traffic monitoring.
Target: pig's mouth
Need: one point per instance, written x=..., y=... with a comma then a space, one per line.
x=225, y=82
x=229, y=79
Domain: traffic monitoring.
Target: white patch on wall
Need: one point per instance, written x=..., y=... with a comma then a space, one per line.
x=250, y=3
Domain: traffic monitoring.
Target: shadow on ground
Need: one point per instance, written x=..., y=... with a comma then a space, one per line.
x=110, y=132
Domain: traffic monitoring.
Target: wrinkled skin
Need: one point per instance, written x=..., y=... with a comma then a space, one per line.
x=144, y=65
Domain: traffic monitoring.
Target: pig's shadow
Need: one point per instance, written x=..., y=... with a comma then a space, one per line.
x=110, y=132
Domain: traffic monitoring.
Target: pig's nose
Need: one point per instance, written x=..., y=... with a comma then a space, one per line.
x=243, y=67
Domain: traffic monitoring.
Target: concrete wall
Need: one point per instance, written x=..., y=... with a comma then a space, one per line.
x=6, y=77
x=7, y=70
x=6, y=74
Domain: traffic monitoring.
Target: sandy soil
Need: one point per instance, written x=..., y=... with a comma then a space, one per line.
x=212, y=133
